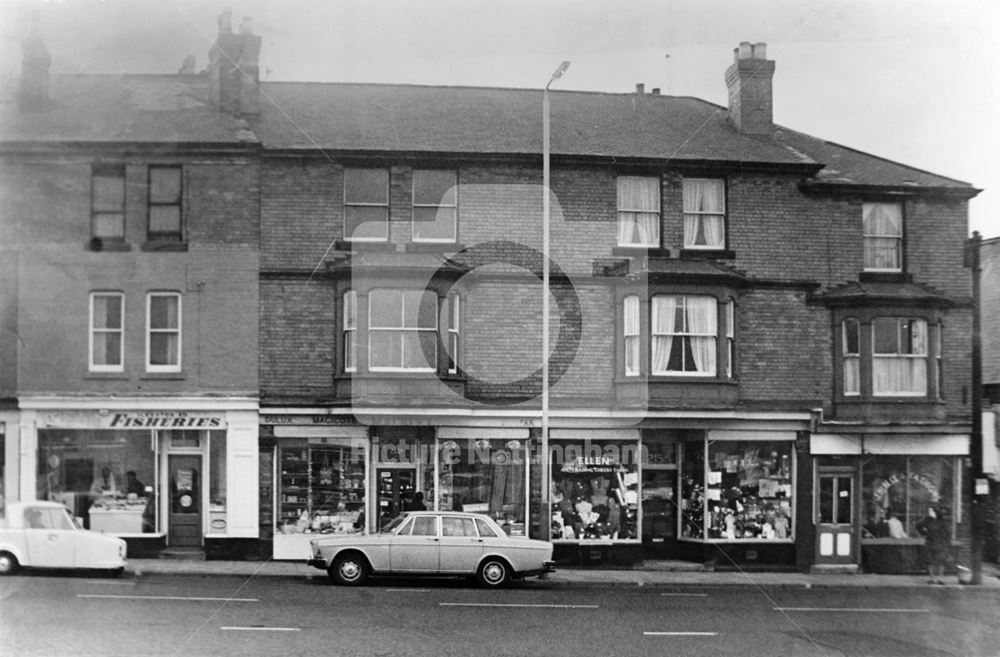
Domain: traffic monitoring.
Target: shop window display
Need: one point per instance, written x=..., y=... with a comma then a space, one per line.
x=595, y=490
x=484, y=476
x=741, y=491
x=897, y=490
x=322, y=489
x=105, y=477
x=217, y=482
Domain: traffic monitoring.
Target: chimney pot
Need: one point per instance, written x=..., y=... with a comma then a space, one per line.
x=656, y=91
x=640, y=88
x=745, y=50
x=760, y=51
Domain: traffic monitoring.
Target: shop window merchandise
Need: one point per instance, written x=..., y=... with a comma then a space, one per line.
x=737, y=490
x=595, y=490
x=322, y=489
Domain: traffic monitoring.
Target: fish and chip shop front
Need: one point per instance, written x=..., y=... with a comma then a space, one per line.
x=148, y=472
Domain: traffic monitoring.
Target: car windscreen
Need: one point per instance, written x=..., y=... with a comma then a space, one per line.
x=391, y=526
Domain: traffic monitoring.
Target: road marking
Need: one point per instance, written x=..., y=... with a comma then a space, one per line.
x=105, y=581
x=407, y=590
x=164, y=597
x=885, y=610
x=681, y=633
x=688, y=595
x=490, y=604
x=261, y=629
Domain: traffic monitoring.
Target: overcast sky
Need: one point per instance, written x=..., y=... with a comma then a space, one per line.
x=915, y=81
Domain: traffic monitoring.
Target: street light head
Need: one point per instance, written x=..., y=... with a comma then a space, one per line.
x=559, y=71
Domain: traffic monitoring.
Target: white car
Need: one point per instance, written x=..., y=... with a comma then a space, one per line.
x=433, y=543
x=43, y=535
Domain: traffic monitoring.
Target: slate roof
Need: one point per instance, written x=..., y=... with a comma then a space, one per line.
x=393, y=119
x=901, y=292
x=157, y=109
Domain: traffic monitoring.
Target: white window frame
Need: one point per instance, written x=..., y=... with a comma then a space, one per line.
x=898, y=355
x=631, y=315
x=454, y=334
x=366, y=204
x=852, y=358
x=94, y=331
x=177, y=331
x=869, y=237
x=401, y=330
x=699, y=215
x=350, y=307
x=439, y=206
x=682, y=334
x=632, y=212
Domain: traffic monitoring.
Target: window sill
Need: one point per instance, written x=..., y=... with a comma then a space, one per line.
x=638, y=251
x=106, y=376
x=165, y=246
x=348, y=245
x=97, y=244
x=884, y=277
x=163, y=376
x=708, y=254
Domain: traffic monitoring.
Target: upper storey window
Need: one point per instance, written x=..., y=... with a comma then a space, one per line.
x=107, y=322
x=684, y=330
x=366, y=205
x=704, y=213
x=397, y=321
x=638, y=211
x=899, y=356
x=435, y=206
x=883, y=236
x=165, y=216
x=107, y=206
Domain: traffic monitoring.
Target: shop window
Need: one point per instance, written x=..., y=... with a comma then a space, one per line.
x=704, y=213
x=684, y=330
x=217, y=482
x=107, y=205
x=638, y=211
x=322, y=488
x=484, y=476
x=107, y=331
x=165, y=196
x=737, y=490
x=435, y=206
x=105, y=477
x=899, y=356
x=366, y=205
x=883, y=236
x=595, y=488
x=397, y=319
x=163, y=332
x=896, y=491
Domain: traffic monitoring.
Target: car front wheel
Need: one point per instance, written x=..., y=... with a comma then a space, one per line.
x=8, y=563
x=493, y=573
x=349, y=570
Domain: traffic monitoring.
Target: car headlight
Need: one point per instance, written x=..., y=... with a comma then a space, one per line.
x=122, y=549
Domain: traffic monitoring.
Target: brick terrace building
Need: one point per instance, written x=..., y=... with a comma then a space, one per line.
x=760, y=340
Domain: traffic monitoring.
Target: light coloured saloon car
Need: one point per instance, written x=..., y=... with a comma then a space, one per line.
x=433, y=543
x=43, y=535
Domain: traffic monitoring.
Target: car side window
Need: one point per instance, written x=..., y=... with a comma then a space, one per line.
x=451, y=526
x=485, y=529
x=424, y=526
x=35, y=518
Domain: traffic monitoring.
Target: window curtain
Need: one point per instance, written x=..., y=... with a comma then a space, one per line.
x=905, y=371
x=852, y=377
x=663, y=320
x=638, y=211
x=702, y=323
x=704, y=212
x=631, y=320
x=883, y=228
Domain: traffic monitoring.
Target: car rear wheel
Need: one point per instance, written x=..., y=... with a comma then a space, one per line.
x=349, y=569
x=493, y=573
x=8, y=563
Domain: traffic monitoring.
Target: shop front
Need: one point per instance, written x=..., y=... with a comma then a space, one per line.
x=147, y=472
x=873, y=490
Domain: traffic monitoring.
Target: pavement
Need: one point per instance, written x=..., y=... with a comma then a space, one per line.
x=652, y=574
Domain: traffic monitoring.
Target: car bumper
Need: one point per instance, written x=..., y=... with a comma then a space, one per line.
x=541, y=573
x=317, y=563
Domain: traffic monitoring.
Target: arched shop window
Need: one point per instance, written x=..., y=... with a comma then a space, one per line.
x=898, y=489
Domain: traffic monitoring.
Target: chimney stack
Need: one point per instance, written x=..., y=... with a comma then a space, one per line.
x=751, y=106
x=35, y=65
x=234, y=68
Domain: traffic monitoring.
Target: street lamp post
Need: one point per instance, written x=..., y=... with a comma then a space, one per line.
x=544, y=516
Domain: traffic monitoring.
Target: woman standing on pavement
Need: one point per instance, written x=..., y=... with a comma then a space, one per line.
x=936, y=531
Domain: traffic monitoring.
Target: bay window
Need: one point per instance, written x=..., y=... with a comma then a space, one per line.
x=704, y=213
x=638, y=211
x=397, y=319
x=350, y=331
x=852, y=357
x=899, y=360
x=631, y=335
x=684, y=330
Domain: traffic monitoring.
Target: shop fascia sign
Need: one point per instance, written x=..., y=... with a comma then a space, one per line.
x=108, y=419
x=309, y=420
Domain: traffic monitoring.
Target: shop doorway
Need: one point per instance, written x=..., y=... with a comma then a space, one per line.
x=659, y=513
x=184, y=512
x=395, y=487
x=835, y=544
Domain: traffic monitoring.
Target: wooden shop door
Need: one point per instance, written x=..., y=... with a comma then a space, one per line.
x=184, y=473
